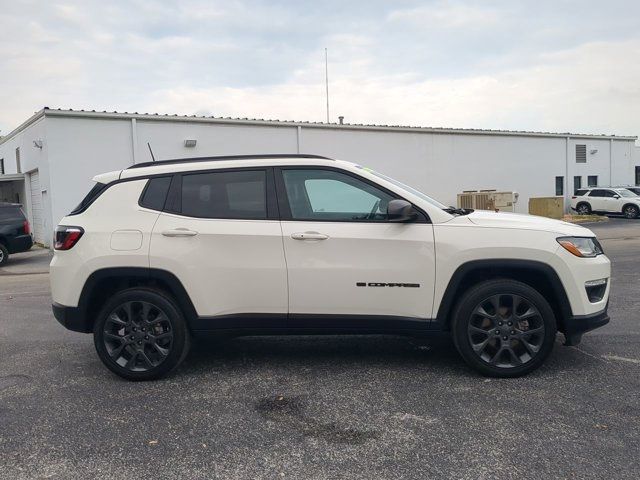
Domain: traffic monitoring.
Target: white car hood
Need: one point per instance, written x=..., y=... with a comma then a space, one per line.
x=486, y=218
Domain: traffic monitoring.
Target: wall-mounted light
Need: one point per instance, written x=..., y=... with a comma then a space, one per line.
x=190, y=143
x=37, y=144
x=593, y=150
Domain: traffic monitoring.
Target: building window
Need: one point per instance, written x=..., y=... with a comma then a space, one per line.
x=581, y=154
x=559, y=186
x=18, y=167
x=592, y=181
x=577, y=184
x=2, y=167
x=637, y=175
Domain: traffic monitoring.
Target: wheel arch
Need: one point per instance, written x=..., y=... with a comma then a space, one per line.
x=538, y=275
x=103, y=283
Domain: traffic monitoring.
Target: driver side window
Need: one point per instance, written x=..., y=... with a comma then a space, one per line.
x=333, y=196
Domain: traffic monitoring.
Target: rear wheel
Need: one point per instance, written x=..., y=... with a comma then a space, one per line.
x=583, y=209
x=503, y=328
x=140, y=334
x=4, y=255
x=630, y=211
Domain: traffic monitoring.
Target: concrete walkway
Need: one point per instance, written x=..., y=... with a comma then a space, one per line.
x=35, y=260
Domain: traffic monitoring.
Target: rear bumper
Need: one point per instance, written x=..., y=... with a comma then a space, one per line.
x=576, y=326
x=21, y=243
x=70, y=318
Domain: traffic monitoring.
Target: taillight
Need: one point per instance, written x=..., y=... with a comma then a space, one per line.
x=574, y=197
x=26, y=227
x=65, y=237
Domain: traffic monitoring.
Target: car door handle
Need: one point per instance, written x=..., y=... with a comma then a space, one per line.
x=309, y=236
x=179, y=232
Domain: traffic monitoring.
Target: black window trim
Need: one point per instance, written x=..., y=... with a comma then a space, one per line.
x=285, y=209
x=173, y=203
x=144, y=191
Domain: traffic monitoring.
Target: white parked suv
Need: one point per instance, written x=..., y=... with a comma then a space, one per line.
x=274, y=244
x=606, y=200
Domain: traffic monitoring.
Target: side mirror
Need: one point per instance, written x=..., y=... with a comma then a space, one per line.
x=616, y=196
x=401, y=211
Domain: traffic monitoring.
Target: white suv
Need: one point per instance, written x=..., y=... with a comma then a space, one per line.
x=606, y=200
x=274, y=244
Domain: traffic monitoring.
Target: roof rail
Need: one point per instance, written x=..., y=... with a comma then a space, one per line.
x=269, y=156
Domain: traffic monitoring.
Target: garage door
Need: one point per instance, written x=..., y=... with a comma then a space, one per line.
x=36, y=207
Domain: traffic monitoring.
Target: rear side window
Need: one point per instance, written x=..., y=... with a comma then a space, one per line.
x=580, y=193
x=11, y=213
x=155, y=193
x=234, y=195
x=94, y=193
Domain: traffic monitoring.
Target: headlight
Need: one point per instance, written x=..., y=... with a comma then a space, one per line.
x=587, y=247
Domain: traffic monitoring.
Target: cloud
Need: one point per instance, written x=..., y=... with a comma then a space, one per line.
x=448, y=15
x=507, y=65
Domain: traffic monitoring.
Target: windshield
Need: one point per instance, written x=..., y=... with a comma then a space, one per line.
x=623, y=192
x=409, y=189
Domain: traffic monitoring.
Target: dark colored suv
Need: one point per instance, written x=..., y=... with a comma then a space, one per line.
x=15, y=233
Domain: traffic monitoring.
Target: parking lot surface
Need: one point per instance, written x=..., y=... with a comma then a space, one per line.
x=320, y=407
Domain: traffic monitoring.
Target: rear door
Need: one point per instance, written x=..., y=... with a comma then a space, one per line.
x=348, y=265
x=220, y=235
x=597, y=200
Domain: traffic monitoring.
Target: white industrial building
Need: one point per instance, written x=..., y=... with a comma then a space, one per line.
x=48, y=161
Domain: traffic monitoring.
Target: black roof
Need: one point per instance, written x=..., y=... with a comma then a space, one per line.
x=269, y=156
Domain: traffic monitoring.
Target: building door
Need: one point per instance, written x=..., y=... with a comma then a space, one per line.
x=37, y=216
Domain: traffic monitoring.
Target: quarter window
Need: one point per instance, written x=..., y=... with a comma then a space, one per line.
x=237, y=195
x=333, y=196
x=156, y=193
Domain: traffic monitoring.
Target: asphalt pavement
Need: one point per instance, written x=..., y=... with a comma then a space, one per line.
x=319, y=407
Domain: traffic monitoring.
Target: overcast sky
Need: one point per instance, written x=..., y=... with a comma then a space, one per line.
x=529, y=65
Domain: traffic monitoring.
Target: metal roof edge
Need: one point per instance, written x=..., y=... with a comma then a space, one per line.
x=29, y=121
x=290, y=123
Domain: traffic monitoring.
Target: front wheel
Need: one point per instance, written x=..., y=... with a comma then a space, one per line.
x=503, y=328
x=140, y=334
x=630, y=211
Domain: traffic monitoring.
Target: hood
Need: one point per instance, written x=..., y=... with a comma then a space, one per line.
x=486, y=218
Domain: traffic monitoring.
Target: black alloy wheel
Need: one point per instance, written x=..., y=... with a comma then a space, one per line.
x=141, y=334
x=506, y=330
x=503, y=328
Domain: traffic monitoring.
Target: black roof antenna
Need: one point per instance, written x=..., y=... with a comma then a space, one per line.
x=151, y=152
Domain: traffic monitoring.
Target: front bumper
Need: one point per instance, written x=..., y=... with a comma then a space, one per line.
x=71, y=318
x=575, y=326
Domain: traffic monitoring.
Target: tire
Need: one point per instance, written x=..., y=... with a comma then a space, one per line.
x=123, y=335
x=630, y=211
x=513, y=345
x=583, y=209
x=4, y=255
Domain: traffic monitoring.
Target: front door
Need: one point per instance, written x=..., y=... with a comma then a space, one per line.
x=222, y=239
x=345, y=260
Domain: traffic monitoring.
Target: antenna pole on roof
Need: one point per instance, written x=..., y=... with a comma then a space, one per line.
x=326, y=79
x=151, y=152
